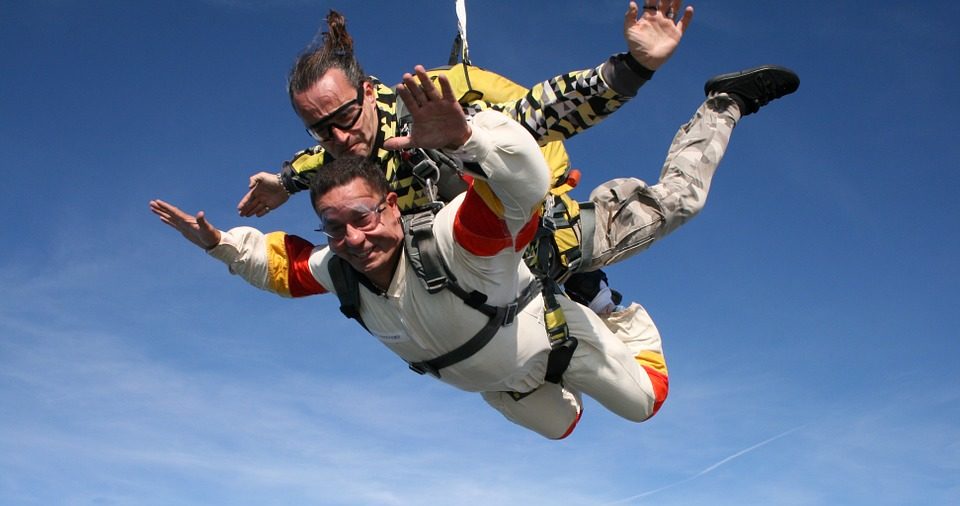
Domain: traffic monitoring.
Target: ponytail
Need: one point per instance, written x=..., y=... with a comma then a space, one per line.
x=334, y=51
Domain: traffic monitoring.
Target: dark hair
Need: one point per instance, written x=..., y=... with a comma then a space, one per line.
x=343, y=170
x=334, y=52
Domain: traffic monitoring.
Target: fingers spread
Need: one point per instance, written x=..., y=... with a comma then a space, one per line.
x=446, y=88
x=429, y=90
x=686, y=19
x=630, y=17
x=413, y=91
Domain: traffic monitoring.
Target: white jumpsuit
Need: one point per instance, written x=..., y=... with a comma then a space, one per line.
x=481, y=235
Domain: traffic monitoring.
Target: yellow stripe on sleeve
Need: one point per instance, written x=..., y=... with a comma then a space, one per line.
x=278, y=264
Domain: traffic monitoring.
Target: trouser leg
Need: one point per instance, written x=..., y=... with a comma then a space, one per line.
x=618, y=361
x=629, y=215
x=634, y=327
x=551, y=410
x=611, y=360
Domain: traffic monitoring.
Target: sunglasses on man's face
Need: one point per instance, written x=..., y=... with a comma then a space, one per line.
x=342, y=119
x=364, y=219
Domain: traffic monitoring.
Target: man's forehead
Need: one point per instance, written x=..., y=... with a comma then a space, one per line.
x=358, y=204
x=335, y=85
x=353, y=196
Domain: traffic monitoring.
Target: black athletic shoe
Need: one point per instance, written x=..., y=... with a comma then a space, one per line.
x=754, y=88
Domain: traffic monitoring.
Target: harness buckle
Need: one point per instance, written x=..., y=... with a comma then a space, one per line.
x=422, y=368
x=509, y=313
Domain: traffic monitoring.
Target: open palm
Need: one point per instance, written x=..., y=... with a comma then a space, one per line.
x=438, y=119
x=654, y=36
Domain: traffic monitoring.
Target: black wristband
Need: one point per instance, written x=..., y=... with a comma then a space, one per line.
x=636, y=67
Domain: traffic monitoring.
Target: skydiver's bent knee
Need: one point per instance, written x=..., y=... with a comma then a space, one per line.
x=636, y=397
x=661, y=387
x=627, y=219
x=551, y=410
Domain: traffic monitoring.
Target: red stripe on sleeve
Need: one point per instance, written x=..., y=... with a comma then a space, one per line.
x=301, y=280
x=478, y=229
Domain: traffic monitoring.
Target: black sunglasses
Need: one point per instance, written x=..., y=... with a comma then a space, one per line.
x=342, y=119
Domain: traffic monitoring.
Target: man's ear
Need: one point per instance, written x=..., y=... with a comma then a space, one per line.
x=391, y=199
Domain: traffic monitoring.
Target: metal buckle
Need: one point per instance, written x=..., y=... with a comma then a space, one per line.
x=509, y=313
x=424, y=368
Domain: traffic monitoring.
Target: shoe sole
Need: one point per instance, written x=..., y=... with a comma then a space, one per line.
x=718, y=81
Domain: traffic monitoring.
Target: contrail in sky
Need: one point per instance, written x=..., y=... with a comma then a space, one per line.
x=708, y=469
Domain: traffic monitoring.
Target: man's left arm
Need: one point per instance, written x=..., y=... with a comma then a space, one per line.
x=510, y=175
x=501, y=208
x=565, y=105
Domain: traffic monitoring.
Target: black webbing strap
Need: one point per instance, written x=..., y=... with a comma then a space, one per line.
x=346, y=283
x=456, y=51
x=559, y=359
x=545, y=264
x=503, y=317
x=562, y=344
x=588, y=224
x=420, y=245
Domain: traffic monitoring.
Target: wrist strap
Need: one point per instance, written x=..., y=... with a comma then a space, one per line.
x=636, y=66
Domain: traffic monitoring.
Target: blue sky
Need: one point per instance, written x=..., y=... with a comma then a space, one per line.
x=809, y=314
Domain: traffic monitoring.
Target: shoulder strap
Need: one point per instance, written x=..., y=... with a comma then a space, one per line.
x=420, y=246
x=421, y=249
x=346, y=284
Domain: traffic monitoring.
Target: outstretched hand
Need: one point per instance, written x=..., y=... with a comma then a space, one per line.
x=438, y=120
x=195, y=228
x=266, y=193
x=655, y=34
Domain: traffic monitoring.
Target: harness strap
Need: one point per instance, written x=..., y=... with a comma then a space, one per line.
x=546, y=267
x=421, y=247
x=562, y=344
x=588, y=225
x=346, y=282
x=461, y=46
x=424, y=256
x=504, y=316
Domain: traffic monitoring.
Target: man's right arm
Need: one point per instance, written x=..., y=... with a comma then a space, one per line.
x=277, y=262
x=271, y=190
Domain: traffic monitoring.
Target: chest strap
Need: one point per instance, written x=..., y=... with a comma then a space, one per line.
x=420, y=245
x=503, y=316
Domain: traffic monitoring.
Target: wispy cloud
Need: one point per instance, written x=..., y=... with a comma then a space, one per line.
x=94, y=417
x=111, y=408
x=708, y=468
